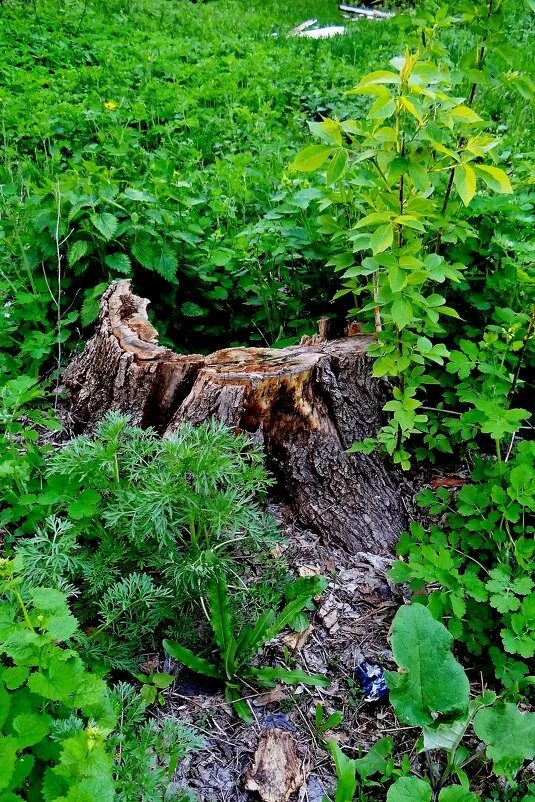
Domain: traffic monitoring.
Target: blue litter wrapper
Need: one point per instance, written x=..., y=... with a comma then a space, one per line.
x=372, y=680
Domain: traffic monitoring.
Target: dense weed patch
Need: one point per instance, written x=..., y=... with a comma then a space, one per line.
x=228, y=170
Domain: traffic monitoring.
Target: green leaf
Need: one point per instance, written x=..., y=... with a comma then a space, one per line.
x=495, y=178
x=119, y=262
x=402, y=313
x=431, y=681
x=456, y=793
x=376, y=78
x=465, y=114
x=220, y=613
x=62, y=627
x=346, y=773
x=382, y=238
x=13, y=678
x=48, y=599
x=85, y=505
x=8, y=754
x=337, y=167
x=189, y=309
x=294, y=677
x=106, y=223
x=409, y=789
x=374, y=762
x=328, y=130
x=77, y=251
x=189, y=659
x=311, y=158
x=5, y=704
x=464, y=179
x=30, y=728
x=509, y=736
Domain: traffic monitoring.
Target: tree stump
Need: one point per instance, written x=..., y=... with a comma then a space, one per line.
x=306, y=404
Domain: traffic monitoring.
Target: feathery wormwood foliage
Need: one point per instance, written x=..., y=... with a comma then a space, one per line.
x=430, y=690
x=401, y=185
x=236, y=650
x=139, y=524
x=54, y=714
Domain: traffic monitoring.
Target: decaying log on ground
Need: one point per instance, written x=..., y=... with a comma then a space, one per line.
x=306, y=404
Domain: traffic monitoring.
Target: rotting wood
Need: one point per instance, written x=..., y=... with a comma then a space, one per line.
x=277, y=770
x=305, y=404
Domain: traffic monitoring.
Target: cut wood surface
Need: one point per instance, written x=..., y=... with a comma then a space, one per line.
x=306, y=404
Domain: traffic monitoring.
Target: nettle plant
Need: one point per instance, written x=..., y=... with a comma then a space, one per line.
x=419, y=146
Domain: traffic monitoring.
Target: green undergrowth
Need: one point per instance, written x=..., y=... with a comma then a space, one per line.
x=248, y=182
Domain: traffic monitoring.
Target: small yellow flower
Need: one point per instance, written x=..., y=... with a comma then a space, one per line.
x=110, y=105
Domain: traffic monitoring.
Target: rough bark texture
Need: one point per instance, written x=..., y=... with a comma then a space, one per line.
x=305, y=404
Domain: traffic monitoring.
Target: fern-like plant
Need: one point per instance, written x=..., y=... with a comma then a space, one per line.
x=138, y=525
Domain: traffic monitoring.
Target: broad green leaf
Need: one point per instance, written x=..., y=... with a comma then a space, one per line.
x=48, y=599
x=8, y=754
x=5, y=704
x=106, y=223
x=345, y=772
x=77, y=251
x=465, y=114
x=251, y=638
x=328, y=130
x=31, y=728
x=189, y=659
x=62, y=627
x=377, y=77
x=409, y=789
x=495, y=178
x=85, y=505
x=337, y=167
x=382, y=238
x=119, y=262
x=402, y=313
x=509, y=736
x=430, y=681
x=464, y=179
x=189, y=309
x=456, y=793
x=12, y=678
x=374, y=762
x=311, y=158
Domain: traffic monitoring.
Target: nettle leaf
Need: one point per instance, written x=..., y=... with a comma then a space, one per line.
x=119, y=262
x=409, y=789
x=509, y=736
x=106, y=223
x=431, y=681
x=77, y=251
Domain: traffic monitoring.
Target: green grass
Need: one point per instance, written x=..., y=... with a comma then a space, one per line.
x=210, y=103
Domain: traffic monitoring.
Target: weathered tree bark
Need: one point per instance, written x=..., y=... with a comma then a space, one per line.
x=305, y=404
